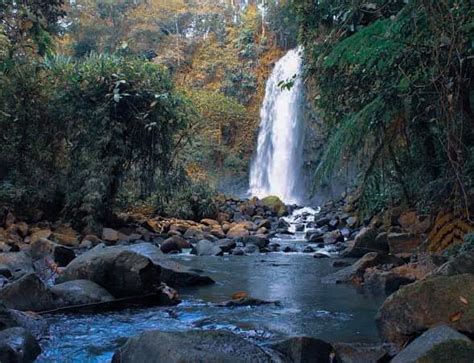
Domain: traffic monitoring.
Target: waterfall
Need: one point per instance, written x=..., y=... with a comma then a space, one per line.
x=276, y=167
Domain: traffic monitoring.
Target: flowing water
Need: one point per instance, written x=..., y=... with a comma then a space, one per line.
x=335, y=313
x=276, y=167
x=308, y=307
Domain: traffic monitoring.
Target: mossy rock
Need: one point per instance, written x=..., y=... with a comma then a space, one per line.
x=275, y=204
x=419, y=306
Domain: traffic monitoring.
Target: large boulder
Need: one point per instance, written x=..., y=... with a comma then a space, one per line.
x=355, y=272
x=403, y=244
x=58, y=253
x=210, y=222
x=226, y=244
x=194, y=234
x=189, y=347
x=415, y=223
x=237, y=231
x=305, y=350
x=68, y=240
x=121, y=271
x=459, y=264
x=438, y=345
x=79, y=292
x=390, y=280
x=275, y=205
x=18, y=263
x=206, y=248
x=174, y=244
x=360, y=353
x=34, y=323
x=37, y=234
x=170, y=272
x=17, y=345
x=424, y=304
x=365, y=241
x=260, y=241
x=28, y=293
x=110, y=235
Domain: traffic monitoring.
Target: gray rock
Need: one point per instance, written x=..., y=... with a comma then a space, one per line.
x=251, y=249
x=357, y=270
x=17, y=345
x=365, y=241
x=385, y=281
x=403, y=244
x=441, y=345
x=360, y=353
x=238, y=252
x=172, y=273
x=174, y=243
x=255, y=240
x=341, y=263
x=60, y=254
x=305, y=350
x=123, y=272
x=426, y=303
x=134, y=270
x=36, y=324
x=18, y=263
x=461, y=264
x=79, y=292
x=206, y=248
x=333, y=237
x=28, y=293
x=189, y=347
x=315, y=236
x=226, y=244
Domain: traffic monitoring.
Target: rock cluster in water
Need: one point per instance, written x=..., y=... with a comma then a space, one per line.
x=49, y=266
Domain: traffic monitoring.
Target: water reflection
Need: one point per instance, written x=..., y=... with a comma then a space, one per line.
x=308, y=307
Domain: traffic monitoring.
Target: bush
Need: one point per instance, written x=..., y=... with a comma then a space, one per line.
x=81, y=129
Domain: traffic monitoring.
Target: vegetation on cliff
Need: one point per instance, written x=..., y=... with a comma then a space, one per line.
x=110, y=105
x=393, y=85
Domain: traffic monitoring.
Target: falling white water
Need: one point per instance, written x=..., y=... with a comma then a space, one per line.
x=276, y=167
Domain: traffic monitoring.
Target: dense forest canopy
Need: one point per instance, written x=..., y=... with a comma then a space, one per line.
x=110, y=104
x=393, y=83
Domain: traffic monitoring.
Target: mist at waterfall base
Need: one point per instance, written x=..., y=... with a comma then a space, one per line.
x=277, y=165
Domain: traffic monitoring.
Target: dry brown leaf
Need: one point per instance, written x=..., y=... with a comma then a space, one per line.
x=455, y=317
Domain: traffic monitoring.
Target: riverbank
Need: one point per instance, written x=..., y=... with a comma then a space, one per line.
x=296, y=274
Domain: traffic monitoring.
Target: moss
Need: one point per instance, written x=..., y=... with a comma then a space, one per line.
x=275, y=203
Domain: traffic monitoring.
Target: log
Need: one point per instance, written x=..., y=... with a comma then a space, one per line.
x=153, y=299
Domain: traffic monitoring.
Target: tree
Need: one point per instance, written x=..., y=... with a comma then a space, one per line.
x=28, y=24
x=391, y=87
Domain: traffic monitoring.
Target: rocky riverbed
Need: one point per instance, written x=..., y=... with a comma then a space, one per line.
x=49, y=268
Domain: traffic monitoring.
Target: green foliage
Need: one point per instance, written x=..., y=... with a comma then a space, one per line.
x=281, y=17
x=100, y=122
x=28, y=25
x=219, y=118
x=466, y=247
x=191, y=201
x=392, y=93
x=240, y=84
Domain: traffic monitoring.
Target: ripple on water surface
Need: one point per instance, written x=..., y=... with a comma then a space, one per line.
x=308, y=307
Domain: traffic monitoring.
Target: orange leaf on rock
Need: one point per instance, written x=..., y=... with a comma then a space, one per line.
x=455, y=317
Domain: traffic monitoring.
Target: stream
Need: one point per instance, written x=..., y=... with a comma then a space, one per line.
x=336, y=313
